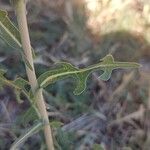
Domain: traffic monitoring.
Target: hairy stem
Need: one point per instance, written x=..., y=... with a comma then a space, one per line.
x=20, y=8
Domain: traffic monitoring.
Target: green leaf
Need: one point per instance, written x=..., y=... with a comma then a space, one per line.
x=35, y=128
x=18, y=85
x=108, y=70
x=56, y=124
x=9, y=32
x=11, y=35
x=65, y=70
x=20, y=82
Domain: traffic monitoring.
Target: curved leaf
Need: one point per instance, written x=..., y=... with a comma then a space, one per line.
x=107, y=71
x=65, y=70
x=18, y=85
x=8, y=31
x=35, y=128
x=11, y=35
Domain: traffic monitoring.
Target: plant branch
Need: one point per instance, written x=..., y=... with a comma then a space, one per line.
x=20, y=8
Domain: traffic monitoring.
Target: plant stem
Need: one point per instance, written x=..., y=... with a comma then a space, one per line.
x=20, y=8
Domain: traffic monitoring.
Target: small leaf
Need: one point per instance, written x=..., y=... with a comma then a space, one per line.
x=65, y=70
x=56, y=124
x=35, y=128
x=18, y=85
x=21, y=83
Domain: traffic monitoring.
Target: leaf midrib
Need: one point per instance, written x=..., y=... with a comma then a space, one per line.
x=12, y=36
x=114, y=65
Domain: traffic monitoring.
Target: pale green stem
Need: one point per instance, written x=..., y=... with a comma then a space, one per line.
x=20, y=8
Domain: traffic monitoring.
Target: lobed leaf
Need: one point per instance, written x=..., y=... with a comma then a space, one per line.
x=65, y=70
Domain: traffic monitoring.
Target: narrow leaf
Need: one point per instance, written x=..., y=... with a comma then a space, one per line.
x=11, y=35
x=53, y=75
x=64, y=70
x=35, y=128
x=8, y=31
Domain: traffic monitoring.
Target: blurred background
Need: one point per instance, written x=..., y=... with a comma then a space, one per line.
x=112, y=115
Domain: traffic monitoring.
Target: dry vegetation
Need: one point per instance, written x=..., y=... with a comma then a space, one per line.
x=112, y=115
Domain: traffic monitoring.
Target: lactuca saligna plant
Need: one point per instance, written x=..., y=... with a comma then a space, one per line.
x=19, y=39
